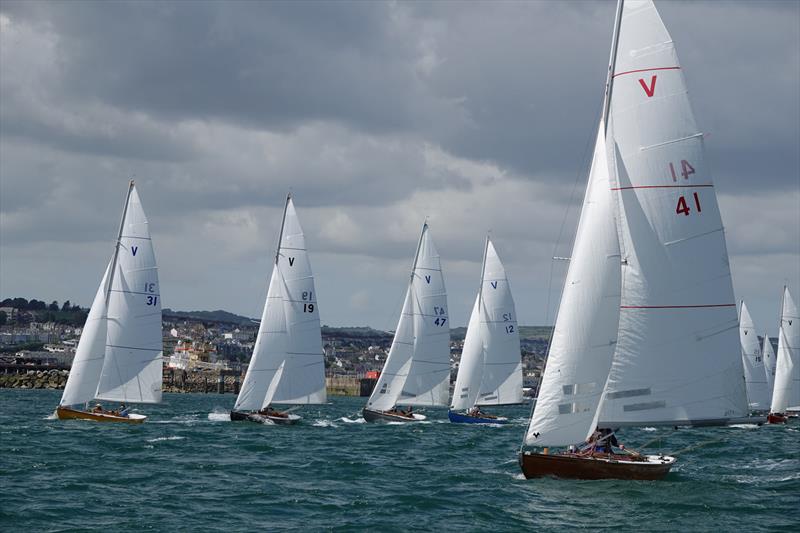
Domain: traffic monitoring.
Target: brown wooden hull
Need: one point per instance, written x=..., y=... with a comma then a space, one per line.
x=66, y=413
x=579, y=467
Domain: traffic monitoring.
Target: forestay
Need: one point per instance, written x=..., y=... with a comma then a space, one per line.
x=755, y=377
x=786, y=395
x=132, y=371
x=490, y=372
x=84, y=375
x=417, y=370
x=302, y=378
x=586, y=326
x=677, y=358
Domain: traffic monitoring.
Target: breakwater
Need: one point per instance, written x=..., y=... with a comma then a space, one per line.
x=203, y=381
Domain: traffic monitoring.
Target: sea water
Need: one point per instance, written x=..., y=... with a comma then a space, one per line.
x=188, y=468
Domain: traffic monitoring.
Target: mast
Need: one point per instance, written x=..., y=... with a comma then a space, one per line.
x=419, y=247
x=612, y=61
x=119, y=241
x=283, y=222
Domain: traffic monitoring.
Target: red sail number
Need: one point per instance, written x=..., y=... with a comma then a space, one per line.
x=686, y=170
x=683, y=207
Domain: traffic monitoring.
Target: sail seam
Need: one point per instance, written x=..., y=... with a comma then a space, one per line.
x=660, y=187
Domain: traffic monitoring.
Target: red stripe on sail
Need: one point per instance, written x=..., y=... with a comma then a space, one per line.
x=657, y=187
x=645, y=70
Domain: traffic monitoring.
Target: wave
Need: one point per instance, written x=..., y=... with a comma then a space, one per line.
x=171, y=437
x=219, y=416
x=324, y=424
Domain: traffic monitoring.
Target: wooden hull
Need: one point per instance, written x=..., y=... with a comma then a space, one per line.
x=383, y=416
x=581, y=467
x=287, y=420
x=463, y=418
x=777, y=418
x=66, y=413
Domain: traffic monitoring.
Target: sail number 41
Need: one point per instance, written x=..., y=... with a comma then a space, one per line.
x=683, y=207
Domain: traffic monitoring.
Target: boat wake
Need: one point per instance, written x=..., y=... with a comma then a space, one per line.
x=219, y=416
x=648, y=428
x=744, y=426
x=324, y=424
x=359, y=420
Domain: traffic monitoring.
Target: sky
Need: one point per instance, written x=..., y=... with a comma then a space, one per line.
x=375, y=115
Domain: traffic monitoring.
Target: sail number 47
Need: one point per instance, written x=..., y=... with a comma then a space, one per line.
x=683, y=207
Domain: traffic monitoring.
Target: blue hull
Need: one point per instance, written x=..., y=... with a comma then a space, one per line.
x=462, y=418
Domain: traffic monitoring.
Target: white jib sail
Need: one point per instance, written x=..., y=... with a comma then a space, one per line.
x=417, y=371
x=132, y=371
x=677, y=358
x=84, y=375
x=786, y=395
x=769, y=364
x=585, y=331
x=490, y=371
x=755, y=377
x=302, y=380
x=269, y=350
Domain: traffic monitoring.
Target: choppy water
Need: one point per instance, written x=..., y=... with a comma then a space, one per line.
x=189, y=469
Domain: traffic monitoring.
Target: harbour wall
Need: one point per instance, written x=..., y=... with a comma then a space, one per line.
x=205, y=381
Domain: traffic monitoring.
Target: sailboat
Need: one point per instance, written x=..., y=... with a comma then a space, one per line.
x=755, y=377
x=646, y=329
x=786, y=394
x=119, y=355
x=287, y=366
x=417, y=370
x=490, y=372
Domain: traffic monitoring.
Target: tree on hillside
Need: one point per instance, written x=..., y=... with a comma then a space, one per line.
x=3, y=318
x=53, y=306
x=37, y=305
x=66, y=306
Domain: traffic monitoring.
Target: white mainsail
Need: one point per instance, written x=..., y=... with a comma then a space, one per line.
x=417, y=370
x=786, y=395
x=490, y=372
x=84, y=375
x=755, y=377
x=132, y=371
x=302, y=379
x=769, y=364
x=586, y=326
x=677, y=357
x=287, y=365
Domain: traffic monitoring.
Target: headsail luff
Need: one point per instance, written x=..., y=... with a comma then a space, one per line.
x=786, y=395
x=417, y=370
x=677, y=358
x=84, y=375
x=269, y=350
x=585, y=331
x=755, y=377
x=132, y=370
